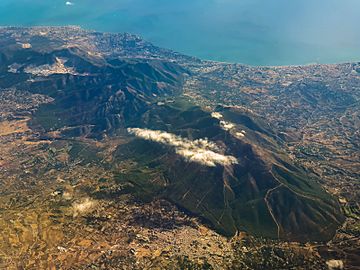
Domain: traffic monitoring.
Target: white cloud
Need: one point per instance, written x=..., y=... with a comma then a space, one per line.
x=240, y=134
x=335, y=264
x=227, y=125
x=201, y=150
x=84, y=206
x=216, y=115
x=68, y=3
x=224, y=124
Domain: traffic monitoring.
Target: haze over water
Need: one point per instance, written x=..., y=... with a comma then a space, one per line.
x=256, y=32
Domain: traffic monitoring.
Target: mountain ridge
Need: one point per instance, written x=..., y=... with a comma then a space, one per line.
x=128, y=83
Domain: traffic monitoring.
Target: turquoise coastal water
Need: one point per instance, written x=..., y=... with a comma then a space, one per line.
x=256, y=32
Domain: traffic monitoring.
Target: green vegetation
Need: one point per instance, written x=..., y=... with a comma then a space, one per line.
x=247, y=202
x=139, y=183
x=263, y=193
x=84, y=152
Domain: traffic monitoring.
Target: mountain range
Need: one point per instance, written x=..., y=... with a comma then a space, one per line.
x=223, y=163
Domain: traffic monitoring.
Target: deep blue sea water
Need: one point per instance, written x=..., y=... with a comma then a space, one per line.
x=256, y=32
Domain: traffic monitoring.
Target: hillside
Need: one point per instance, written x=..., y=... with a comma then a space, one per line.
x=106, y=125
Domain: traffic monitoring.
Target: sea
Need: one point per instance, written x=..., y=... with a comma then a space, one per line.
x=254, y=32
